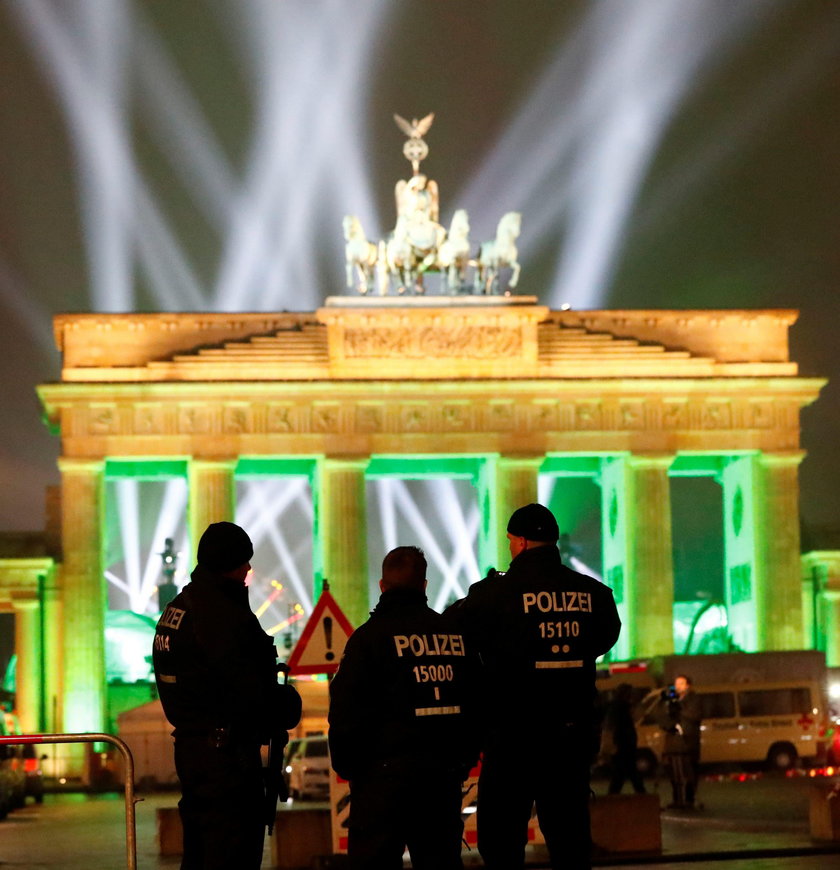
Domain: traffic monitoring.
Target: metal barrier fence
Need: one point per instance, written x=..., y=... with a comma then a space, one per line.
x=130, y=801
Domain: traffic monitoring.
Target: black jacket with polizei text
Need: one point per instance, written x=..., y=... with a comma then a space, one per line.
x=401, y=697
x=214, y=665
x=538, y=628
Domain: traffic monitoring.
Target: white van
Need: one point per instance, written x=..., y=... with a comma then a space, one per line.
x=776, y=723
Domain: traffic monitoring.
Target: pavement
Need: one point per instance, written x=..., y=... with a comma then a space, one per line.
x=759, y=824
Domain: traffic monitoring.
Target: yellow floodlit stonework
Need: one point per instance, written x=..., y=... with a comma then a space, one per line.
x=637, y=396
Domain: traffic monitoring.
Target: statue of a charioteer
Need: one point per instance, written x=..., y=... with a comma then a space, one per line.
x=419, y=244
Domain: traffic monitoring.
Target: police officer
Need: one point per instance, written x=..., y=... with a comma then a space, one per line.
x=398, y=726
x=216, y=677
x=538, y=628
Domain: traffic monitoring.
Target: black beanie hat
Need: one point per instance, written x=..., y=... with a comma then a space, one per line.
x=534, y=523
x=224, y=547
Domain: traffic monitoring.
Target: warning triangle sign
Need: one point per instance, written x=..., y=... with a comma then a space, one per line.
x=321, y=643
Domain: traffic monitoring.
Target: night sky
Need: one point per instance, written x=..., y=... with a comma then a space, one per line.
x=200, y=156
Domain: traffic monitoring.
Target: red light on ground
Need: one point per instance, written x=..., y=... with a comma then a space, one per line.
x=628, y=668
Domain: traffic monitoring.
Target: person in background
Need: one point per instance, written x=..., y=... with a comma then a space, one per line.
x=619, y=725
x=399, y=726
x=679, y=717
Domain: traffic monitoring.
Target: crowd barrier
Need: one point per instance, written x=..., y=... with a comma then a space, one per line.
x=130, y=825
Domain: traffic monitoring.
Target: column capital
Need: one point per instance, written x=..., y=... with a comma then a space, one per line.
x=346, y=461
x=782, y=458
x=651, y=460
x=24, y=600
x=522, y=460
x=213, y=463
x=70, y=464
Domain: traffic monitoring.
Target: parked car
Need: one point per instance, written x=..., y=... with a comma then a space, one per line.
x=12, y=768
x=308, y=768
x=34, y=772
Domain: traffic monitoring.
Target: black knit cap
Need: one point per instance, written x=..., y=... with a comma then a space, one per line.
x=534, y=523
x=224, y=547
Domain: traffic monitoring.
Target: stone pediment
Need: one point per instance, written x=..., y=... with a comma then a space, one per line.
x=449, y=339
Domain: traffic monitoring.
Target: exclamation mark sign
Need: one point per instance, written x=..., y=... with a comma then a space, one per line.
x=330, y=655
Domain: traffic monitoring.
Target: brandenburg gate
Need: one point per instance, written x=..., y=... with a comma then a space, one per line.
x=498, y=387
x=475, y=383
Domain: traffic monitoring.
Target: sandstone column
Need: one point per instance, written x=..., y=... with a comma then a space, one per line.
x=212, y=497
x=29, y=674
x=638, y=559
x=340, y=533
x=505, y=484
x=778, y=581
x=830, y=618
x=83, y=705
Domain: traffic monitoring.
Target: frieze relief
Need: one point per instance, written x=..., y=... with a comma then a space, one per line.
x=457, y=416
x=473, y=342
x=480, y=414
x=500, y=417
x=237, y=420
x=370, y=418
x=193, y=420
x=103, y=420
x=282, y=419
x=326, y=418
x=148, y=419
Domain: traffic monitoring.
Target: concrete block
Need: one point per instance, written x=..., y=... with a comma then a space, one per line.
x=301, y=836
x=169, y=831
x=824, y=812
x=626, y=823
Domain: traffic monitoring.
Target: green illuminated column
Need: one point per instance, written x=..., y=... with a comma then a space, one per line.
x=638, y=558
x=212, y=496
x=83, y=596
x=740, y=497
x=505, y=484
x=830, y=617
x=29, y=670
x=614, y=484
x=650, y=586
x=340, y=533
x=778, y=581
x=52, y=623
x=763, y=564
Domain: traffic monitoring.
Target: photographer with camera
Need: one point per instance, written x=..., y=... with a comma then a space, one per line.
x=679, y=718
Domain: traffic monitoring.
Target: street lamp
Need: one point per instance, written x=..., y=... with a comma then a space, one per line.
x=167, y=589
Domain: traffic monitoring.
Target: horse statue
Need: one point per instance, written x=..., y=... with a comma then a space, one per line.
x=499, y=253
x=453, y=255
x=360, y=256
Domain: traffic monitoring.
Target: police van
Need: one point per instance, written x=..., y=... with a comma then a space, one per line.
x=767, y=708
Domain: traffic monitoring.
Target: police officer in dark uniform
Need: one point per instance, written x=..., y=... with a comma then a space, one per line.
x=217, y=680
x=538, y=628
x=399, y=728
